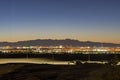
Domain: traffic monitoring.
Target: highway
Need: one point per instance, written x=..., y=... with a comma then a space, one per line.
x=44, y=61
x=33, y=60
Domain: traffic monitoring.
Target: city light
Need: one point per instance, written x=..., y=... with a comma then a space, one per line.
x=59, y=49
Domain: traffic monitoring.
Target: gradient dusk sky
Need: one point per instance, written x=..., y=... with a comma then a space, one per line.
x=84, y=20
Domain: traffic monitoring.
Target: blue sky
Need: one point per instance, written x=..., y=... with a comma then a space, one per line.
x=85, y=20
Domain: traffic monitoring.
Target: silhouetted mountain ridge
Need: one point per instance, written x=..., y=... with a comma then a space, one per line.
x=51, y=42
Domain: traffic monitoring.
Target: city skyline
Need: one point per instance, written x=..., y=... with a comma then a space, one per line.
x=84, y=20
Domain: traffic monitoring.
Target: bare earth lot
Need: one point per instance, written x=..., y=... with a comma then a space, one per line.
x=58, y=72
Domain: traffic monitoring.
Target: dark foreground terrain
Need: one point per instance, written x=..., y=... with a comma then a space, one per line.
x=63, y=56
x=59, y=72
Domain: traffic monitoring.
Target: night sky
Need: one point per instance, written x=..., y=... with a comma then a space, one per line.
x=84, y=20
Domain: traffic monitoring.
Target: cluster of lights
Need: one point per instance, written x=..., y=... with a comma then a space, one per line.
x=58, y=49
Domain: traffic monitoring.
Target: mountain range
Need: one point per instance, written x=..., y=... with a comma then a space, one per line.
x=65, y=42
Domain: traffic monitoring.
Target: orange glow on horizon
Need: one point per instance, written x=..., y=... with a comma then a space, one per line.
x=29, y=38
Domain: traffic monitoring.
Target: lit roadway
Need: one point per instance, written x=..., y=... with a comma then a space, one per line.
x=45, y=61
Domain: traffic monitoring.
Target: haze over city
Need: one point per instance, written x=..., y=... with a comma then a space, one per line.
x=84, y=20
